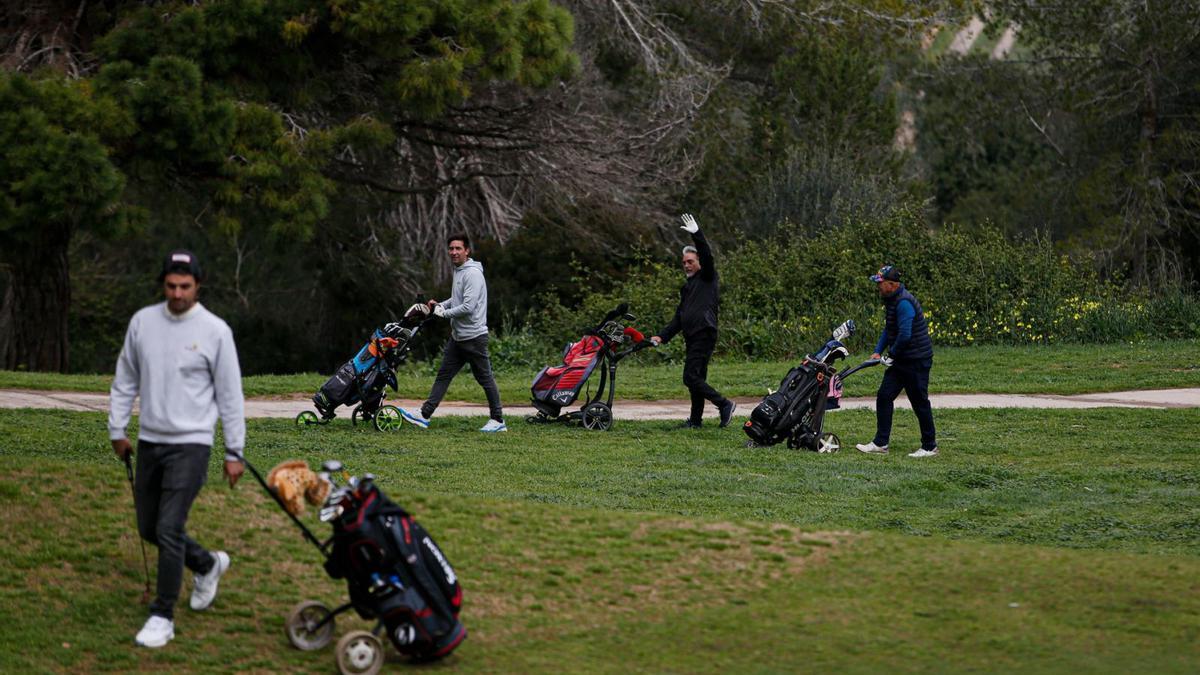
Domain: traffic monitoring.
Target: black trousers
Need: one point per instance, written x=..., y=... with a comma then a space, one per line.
x=913, y=378
x=456, y=355
x=695, y=372
x=168, y=479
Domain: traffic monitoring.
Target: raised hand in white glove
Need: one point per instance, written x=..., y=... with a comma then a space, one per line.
x=439, y=311
x=689, y=224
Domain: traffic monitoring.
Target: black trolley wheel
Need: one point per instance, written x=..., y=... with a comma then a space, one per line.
x=597, y=417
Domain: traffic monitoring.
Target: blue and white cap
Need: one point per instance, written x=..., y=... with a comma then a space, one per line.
x=886, y=273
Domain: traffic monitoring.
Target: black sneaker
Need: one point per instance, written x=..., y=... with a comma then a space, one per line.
x=727, y=412
x=689, y=424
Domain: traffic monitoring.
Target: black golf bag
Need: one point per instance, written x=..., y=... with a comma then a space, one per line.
x=796, y=411
x=395, y=572
x=362, y=379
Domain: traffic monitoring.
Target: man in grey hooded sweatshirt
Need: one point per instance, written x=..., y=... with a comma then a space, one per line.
x=467, y=312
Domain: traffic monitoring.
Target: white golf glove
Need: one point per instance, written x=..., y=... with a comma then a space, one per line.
x=886, y=361
x=689, y=224
x=418, y=307
x=439, y=311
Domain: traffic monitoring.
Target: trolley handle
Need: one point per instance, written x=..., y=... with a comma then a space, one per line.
x=854, y=369
x=644, y=344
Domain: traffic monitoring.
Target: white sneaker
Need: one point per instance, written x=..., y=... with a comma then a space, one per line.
x=871, y=448
x=157, y=632
x=924, y=453
x=415, y=418
x=204, y=586
x=493, y=426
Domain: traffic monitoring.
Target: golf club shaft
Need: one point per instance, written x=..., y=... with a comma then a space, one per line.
x=145, y=558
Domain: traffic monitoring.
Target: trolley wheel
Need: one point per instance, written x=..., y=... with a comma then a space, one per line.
x=301, y=626
x=597, y=417
x=388, y=418
x=307, y=418
x=359, y=653
x=829, y=443
x=357, y=414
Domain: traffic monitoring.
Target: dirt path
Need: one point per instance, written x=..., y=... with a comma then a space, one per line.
x=654, y=410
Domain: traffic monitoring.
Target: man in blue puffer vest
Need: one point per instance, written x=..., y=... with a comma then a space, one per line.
x=905, y=336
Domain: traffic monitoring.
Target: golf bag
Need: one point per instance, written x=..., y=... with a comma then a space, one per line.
x=796, y=411
x=394, y=570
x=362, y=379
x=555, y=387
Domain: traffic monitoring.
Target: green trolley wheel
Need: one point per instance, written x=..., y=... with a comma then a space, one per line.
x=388, y=418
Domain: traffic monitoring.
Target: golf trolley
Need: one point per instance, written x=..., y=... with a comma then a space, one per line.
x=602, y=347
x=796, y=411
x=395, y=574
x=362, y=379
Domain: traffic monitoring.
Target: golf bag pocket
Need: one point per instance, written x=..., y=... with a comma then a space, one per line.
x=338, y=389
x=834, y=400
x=768, y=414
x=424, y=565
x=425, y=622
x=414, y=628
x=772, y=419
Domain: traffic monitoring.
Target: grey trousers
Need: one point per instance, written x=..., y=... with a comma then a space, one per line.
x=168, y=479
x=456, y=355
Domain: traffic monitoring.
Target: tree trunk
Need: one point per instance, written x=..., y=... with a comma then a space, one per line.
x=33, y=311
x=1147, y=212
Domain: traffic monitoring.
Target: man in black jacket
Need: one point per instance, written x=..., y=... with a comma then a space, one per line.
x=696, y=317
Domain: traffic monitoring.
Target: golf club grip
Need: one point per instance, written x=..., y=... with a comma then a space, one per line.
x=128, y=467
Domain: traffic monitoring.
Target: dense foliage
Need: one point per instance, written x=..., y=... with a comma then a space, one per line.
x=316, y=154
x=782, y=297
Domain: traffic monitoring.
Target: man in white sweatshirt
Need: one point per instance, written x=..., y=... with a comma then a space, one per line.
x=467, y=312
x=181, y=360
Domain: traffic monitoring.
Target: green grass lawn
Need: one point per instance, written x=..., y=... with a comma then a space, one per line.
x=1059, y=369
x=1038, y=541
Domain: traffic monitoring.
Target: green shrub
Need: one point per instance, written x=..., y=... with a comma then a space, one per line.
x=781, y=297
